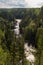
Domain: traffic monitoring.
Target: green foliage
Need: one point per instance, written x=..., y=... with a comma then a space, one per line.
x=4, y=57
x=31, y=29
x=40, y=38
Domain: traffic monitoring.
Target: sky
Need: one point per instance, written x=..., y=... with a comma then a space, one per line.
x=21, y=3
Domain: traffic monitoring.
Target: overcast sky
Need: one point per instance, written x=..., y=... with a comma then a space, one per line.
x=21, y=3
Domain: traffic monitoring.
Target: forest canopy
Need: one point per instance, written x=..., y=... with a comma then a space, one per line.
x=31, y=30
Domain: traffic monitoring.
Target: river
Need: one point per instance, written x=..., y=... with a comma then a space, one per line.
x=28, y=49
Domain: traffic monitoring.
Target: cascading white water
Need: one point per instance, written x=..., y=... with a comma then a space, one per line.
x=16, y=30
x=28, y=53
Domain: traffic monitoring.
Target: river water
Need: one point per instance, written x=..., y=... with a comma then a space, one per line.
x=28, y=49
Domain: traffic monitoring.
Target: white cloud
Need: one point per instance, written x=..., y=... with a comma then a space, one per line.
x=33, y=3
x=20, y=3
x=3, y=5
